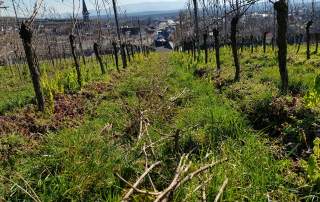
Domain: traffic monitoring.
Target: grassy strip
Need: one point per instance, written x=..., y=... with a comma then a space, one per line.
x=181, y=114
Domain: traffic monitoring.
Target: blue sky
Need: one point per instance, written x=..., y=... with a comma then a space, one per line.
x=66, y=6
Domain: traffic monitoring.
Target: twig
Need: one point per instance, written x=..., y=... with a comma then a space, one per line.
x=136, y=189
x=35, y=198
x=197, y=188
x=153, y=143
x=200, y=170
x=140, y=125
x=28, y=185
x=127, y=196
x=184, y=91
x=146, y=166
x=221, y=190
x=106, y=128
x=204, y=197
x=150, y=141
x=182, y=168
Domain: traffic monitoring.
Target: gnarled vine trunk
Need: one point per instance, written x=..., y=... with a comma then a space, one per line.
x=205, y=46
x=217, y=48
x=115, y=52
x=26, y=36
x=317, y=44
x=96, y=49
x=123, y=55
x=234, y=46
x=309, y=24
x=265, y=42
x=282, y=20
x=75, y=58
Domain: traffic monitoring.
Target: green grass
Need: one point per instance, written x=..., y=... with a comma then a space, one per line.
x=16, y=87
x=80, y=163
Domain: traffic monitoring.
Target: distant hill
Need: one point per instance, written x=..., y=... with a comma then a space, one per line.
x=149, y=8
x=167, y=13
x=153, y=6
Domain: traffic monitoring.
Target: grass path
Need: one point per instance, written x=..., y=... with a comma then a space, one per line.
x=155, y=111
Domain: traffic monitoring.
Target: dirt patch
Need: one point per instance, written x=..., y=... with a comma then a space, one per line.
x=289, y=120
x=201, y=72
x=67, y=112
x=22, y=123
x=98, y=87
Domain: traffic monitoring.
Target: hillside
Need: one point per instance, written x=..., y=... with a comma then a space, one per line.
x=192, y=134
